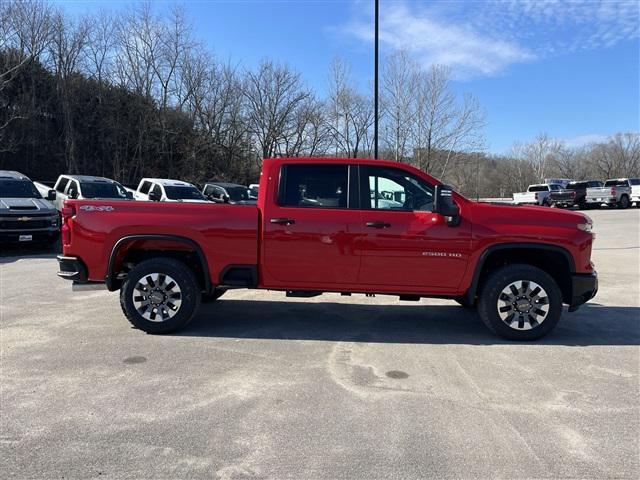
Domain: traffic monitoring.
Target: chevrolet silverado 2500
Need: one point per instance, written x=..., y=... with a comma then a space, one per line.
x=323, y=225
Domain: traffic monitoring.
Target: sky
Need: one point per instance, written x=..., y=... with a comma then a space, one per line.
x=570, y=69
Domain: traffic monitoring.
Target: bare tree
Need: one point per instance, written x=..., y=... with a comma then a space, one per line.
x=273, y=94
x=399, y=77
x=350, y=114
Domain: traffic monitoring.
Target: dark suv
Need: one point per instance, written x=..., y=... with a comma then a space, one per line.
x=573, y=194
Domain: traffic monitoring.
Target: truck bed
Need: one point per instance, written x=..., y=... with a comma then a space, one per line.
x=227, y=234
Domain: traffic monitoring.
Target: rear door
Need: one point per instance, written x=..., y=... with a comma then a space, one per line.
x=405, y=245
x=310, y=229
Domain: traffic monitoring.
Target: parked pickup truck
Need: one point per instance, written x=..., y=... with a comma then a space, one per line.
x=25, y=216
x=620, y=192
x=317, y=228
x=167, y=190
x=222, y=192
x=84, y=187
x=536, y=194
x=574, y=194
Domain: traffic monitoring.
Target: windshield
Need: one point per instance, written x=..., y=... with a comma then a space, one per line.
x=183, y=193
x=18, y=189
x=238, y=194
x=103, y=190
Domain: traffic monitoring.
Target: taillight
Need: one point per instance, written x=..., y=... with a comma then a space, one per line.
x=67, y=214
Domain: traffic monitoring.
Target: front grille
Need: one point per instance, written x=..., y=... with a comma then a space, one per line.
x=24, y=224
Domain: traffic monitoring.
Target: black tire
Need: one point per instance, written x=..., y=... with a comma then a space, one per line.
x=624, y=202
x=501, y=279
x=212, y=297
x=186, y=285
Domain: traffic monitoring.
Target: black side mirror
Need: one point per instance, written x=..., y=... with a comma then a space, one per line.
x=51, y=195
x=444, y=205
x=154, y=196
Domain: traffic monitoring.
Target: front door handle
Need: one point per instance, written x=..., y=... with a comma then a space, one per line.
x=283, y=221
x=378, y=224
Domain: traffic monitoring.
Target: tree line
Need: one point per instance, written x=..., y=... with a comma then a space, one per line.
x=135, y=94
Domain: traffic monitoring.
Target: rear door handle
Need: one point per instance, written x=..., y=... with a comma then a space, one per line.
x=378, y=224
x=283, y=221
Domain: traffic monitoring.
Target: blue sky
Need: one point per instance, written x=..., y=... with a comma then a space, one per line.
x=570, y=69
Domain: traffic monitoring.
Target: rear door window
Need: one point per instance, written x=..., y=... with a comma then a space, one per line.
x=314, y=186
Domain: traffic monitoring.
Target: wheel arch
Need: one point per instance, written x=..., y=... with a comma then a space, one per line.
x=144, y=246
x=555, y=260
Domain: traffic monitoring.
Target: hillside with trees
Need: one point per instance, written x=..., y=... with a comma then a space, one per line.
x=136, y=94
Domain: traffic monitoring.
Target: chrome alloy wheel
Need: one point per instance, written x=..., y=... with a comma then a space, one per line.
x=157, y=297
x=523, y=305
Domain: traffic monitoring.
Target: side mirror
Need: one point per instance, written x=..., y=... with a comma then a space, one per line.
x=154, y=196
x=51, y=195
x=444, y=205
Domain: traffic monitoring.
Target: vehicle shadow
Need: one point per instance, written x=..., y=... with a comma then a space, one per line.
x=12, y=253
x=593, y=324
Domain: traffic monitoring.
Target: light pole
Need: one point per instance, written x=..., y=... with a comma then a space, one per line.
x=375, y=84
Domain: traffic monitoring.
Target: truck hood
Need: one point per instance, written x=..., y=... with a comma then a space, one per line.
x=520, y=215
x=25, y=205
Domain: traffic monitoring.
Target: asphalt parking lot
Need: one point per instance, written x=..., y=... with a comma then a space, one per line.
x=262, y=386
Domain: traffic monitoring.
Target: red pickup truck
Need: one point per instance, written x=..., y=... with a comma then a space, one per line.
x=335, y=225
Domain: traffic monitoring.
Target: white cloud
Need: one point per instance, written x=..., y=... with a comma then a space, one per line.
x=583, y=140
x=484, y=38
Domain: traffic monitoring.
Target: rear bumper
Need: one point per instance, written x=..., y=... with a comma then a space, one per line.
x=72, y=268
x=584, y=287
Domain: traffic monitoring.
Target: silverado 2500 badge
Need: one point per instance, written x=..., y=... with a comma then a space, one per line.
x=97, y=208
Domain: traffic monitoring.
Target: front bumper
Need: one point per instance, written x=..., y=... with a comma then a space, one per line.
x=37, y=236
x=584, y=287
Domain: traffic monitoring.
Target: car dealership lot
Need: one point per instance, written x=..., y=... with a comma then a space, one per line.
x=263, y=386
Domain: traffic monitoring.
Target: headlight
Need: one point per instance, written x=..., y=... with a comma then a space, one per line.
x=585, y=227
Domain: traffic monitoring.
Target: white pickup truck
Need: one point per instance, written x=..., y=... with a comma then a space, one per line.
x=620, y=192
x=536, y=194
x=167, y=190
x=86, y=187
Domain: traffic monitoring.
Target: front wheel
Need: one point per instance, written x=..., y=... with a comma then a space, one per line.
x=160, y=295
x=624, y=202
x=520, y=302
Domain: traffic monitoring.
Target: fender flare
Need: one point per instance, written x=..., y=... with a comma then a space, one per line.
x=112, y=283
x=470, y=294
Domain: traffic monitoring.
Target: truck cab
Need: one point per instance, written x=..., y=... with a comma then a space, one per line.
x=25, y=216
x=167, y=190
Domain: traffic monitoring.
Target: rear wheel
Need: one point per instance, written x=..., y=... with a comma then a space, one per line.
x=160, y=295
x=520, y=302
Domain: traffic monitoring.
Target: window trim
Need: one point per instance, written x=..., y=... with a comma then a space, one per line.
x=282, y=183
x=365, y=194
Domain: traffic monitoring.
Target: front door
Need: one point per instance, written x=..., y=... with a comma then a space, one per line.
x=404, y=244
x=309, y=233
